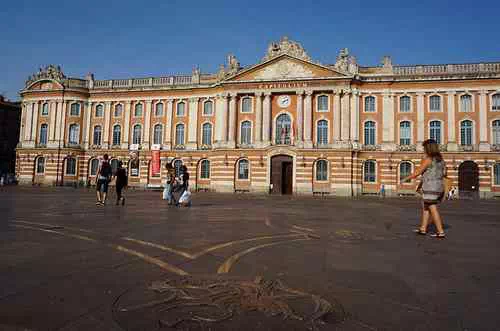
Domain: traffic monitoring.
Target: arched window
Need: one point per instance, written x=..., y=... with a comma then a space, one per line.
x=75, y=109
x=40, y=165
x=70, y=166
x=283, y=129
x=370, y=104
x=404, y=170
x=404, y=104
x=246, y=133
x=322, y=132
x=208, y=108
x=137, y=134
x=94, y=165
x=246, y=105
x=206, y=137
x=179, y=134
x=205, y=169
x=405, y=133
x=435, y=103
x=43, y=134
x=370, y=133
x=159, y=109
x=466, y=132
x=496, y=173
x=466, y=103
x=181, y=109
x=177, y=167
x=369, y=172
x=323, y=103
x=74, y=134
x=45, y=109
x=243, y=169
x=118, y=110
x=97, y=135
x=157, y=134
x=495, y=102
x=435, y=131
x=117, y=135
x=321, y=170
x=99, y=111
x=138, y=110
x=114, y=165
x=496, y=132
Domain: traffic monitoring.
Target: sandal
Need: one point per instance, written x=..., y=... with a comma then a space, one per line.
x=420, y=232
x=439, y=235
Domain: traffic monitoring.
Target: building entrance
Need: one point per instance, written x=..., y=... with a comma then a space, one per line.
x=282, y=174
x=468, y=179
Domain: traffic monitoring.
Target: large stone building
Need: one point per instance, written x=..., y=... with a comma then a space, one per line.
x=287, y=124
x=10, y=122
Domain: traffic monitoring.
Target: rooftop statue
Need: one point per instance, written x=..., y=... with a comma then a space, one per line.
x=50, y=72
x=345, y=62
x=286, y=46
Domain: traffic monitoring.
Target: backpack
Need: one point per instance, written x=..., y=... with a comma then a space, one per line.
x=105, y=171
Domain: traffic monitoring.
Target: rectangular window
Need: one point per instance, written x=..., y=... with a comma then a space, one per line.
x=435, y=103
x=369, y=170
x=404, y=103
x=370, y=104
x=466, y=103
x=70, y=166
x=246, y=105
x=323, y=103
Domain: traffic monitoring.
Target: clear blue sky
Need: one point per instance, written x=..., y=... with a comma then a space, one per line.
x=122, y=39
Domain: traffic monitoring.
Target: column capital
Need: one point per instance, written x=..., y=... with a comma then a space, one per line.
x=149, y=102
x=420, y=94
x=233, y=95
x=483, y=92
x=170, y=100
x=309, y=93
x=451, y=92
x=107, y=103
x=194, y=99
x=300, y=92
x=267, y=94
x=259, y=94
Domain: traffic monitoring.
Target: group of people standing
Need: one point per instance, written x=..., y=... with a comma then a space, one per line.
x=176, y=190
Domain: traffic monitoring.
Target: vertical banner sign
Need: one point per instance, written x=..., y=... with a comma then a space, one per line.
x=155, y=163
x=134, y=163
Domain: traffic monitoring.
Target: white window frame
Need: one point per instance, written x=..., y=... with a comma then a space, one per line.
x=36, y=165
x=327, y=103
x=473, y=142
x=114, y=109
x=473, y=102
x=363, y=130
x=275, y=126
x=251, y=104
x=317, y=131
x=162, y=109
x=491, y=95
x=211, y=133
x=46, y=134
x=441, y=133
x=399, y=104
x=95, y=110
x=48, y=109
x=135, y=109
x=491, y=131
x=399, y=131
x=315, y=175
x=100, y=137
x=399, y=169
x=78, y=133
x=113, y=134
x=493, y=174
x=240, y=126
x=376, y=168
x=238, y=170
x=201, y=167
x=364, y=104
x=71, y=109
x=90, y=167
x=66, y=168
x=153, y=133
x=203, y=109
x=140, y=135
x=183, y=134
x=440, y=103
x=177, y=108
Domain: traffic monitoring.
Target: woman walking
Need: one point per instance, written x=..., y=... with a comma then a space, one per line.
x=433, y=170
x=121, y=183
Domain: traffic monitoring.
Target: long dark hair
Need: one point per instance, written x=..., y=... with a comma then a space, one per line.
x=431, y=148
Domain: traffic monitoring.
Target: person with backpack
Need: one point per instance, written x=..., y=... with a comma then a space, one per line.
x=103, y=178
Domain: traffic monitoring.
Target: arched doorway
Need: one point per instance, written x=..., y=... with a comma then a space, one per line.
x=282, y=174
x=468, y=179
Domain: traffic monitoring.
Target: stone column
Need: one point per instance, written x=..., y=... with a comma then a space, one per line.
x=146, y=134
x=308, y=119
x=107, y=120
x=52, y=123
x=62, y=133
x=220, y=120
x=355, y=119
x=232, y=121
x=23, y=123
x=420, y=121
x=57, y=134
x=336, y=117
x=452, y=142
x=126, y=126
x=388, y=143
x=193, y=124
x=345, y=117
x=86, y=129
x=258, y=119
x=34, y=122
x=27, y=121
x=168, y=125
x=484, y=146
x=300, y=119
x=266, y=119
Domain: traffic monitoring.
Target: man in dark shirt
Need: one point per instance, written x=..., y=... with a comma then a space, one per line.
x=103, y=178
x=121, y=182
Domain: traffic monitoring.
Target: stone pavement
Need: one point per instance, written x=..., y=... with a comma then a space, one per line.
x=243, y=262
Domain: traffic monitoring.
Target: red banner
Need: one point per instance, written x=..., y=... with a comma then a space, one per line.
x=155, y=163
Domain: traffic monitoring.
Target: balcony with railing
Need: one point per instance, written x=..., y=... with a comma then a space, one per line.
x=371, y=147
x=407, y=148
x=169, y=81
x=467, y=68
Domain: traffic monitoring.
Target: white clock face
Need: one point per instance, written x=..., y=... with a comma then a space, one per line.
x=284, y=101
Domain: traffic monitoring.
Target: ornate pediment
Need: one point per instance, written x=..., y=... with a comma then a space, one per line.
x=51, y=72
x=284, y=69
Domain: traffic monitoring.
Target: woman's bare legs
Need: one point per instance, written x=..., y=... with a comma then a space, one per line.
x=425, y=219
x=436, y=217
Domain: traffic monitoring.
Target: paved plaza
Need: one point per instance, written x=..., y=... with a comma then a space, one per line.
x=243, y=262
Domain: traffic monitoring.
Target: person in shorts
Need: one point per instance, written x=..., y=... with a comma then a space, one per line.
x=103, y=178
